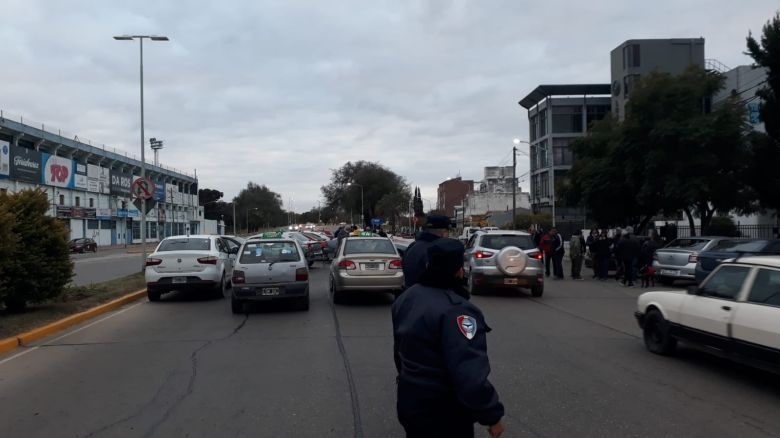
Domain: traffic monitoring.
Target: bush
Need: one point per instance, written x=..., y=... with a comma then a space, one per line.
x=34, y=255
x=525, y=221
x=722, y=226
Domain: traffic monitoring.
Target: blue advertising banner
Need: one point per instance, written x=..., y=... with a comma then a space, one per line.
x=159, y=192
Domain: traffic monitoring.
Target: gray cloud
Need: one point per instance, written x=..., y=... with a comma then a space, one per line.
x=281, y=92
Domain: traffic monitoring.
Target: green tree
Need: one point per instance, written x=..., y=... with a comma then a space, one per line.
x=209, y=199
x=39, y=266
x=259, y=206
x=765, y=178
x=671, y=153
x=343, y=193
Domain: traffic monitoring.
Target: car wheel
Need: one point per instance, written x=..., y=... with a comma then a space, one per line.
x=81, y=251
x=537, y=291
x=94, y=249
x=219, y=292
x=302, y=303
x=656, y=334
x=471, y=287
x=153, y=294
x=666, y=281
x=236, y=306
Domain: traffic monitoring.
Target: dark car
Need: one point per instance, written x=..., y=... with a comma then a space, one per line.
x=82, y=245
x=730, y=249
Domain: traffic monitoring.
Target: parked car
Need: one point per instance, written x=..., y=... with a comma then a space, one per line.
x=82, y=245
x=677, y=260
x=189, y=262
x=733, y=313
x=484, y=262
x=729, y=249
x=365, y=263
x=271, y=267
x=323, y=240
x=312, y=248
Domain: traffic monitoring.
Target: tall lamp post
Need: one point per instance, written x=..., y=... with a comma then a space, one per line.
x=516, y=141
x=362, y=211
x=141, y=39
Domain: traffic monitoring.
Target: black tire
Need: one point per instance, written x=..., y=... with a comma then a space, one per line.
x=471, y=287
x=302, y=303
x=153, y=294
x=537, y=291
x=219, y=291
x=236, y=306
x=655, y=332
x=311, y=263
x=666, y=281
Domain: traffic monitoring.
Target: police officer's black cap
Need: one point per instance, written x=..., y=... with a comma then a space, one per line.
x=437, y=221
x=445, y=257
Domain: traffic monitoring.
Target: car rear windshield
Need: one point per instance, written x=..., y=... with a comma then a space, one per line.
x=368, y=246
x=688, y=244
x=500, y=241
x=186, y=244
x=269, y=252
x=740, y=245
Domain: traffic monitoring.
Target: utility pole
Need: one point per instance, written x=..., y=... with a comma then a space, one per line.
x=234, y=218
x=514, y=185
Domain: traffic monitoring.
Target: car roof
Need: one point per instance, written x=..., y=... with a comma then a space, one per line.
x=513, y=232
x=191, y=236
x=771, y=261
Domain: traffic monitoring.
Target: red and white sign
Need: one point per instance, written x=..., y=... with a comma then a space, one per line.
x=142, y=188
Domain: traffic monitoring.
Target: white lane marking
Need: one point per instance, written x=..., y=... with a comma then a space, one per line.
x=31, y=349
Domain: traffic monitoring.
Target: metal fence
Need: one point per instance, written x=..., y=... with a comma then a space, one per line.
x=748, y=231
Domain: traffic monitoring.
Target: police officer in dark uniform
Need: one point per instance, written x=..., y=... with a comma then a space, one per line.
x=440, y=350
x=436, y=227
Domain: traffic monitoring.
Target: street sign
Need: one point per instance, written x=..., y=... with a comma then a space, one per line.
x=377, y=221
x=142, y=188
x=150, y=203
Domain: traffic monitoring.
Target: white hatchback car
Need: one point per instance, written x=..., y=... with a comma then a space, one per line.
x=189, y=262
x=734, y=313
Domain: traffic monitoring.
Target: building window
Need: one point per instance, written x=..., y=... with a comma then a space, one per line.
x=107, y=225
x=543, y=123
x=92, y=224
x=78, y=201
x=562, y=153
x=629, y=82
x=62, y=199
x=596, y=112
x=567, y=119
x=91, y=202
x=631, y=56
x=533, y=125
x=136, y=230
x=543, y=154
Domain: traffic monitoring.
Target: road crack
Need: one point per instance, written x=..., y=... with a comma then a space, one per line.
x=356, y=421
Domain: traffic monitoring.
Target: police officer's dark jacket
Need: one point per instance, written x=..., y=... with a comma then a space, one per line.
x=441, y=348
x=416, y=257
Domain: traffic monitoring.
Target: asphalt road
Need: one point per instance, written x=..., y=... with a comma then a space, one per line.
x=569, y=364
x=106, y=264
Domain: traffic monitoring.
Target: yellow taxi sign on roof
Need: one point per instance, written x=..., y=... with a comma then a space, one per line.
x=271, y=235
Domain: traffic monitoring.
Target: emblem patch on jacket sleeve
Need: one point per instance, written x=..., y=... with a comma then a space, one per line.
x=467, y=326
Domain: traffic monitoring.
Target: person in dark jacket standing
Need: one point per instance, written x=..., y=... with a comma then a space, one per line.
x=415, y=258
x=629, y=251
x=440, y=353
x=557, y=253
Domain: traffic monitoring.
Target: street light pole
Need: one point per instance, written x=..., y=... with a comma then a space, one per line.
x=140, y=39
x=362, y=214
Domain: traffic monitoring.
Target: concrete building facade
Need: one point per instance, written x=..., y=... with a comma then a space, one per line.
x=89, y=187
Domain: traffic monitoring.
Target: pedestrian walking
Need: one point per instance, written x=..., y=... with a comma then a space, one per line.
x=557, y=253
x=546, y=242
x=576, y=253
x=601, y=254
x=440, y=353
x=415, y=258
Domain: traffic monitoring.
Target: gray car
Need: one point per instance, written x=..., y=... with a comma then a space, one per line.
x=483, y=270
x=365, y=263
x=677, y=260
x=270, y=267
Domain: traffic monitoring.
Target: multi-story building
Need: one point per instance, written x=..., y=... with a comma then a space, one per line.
x=493, y=196
x=451, y=192
x=558, y=114
x=89, y=187
x=635, y=58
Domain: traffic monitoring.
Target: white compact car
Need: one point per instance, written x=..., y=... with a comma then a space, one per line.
x=190, y=262
x=733, y=313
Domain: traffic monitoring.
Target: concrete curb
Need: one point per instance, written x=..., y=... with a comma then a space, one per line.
x=26, y=338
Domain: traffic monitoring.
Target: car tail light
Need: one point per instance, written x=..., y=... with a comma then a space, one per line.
x=483, y=254
x=347, y=264
x=693, y=258
x=210, y=260
x=301, y=274
x=238, y=277
x=395, y=264
x=153, y=262
x=536, y=255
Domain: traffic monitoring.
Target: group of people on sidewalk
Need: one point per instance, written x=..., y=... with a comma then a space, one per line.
x=631, y=255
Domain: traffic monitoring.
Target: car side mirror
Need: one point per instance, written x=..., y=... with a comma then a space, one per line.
x=693, y=290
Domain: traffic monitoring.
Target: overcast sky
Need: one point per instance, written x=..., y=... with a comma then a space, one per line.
x=281, y=92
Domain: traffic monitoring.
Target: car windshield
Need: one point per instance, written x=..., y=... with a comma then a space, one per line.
x=740, y=245
x=688, y=244
x=185, y=244
x=500, y=241
x=269, y=252
x=368, y=246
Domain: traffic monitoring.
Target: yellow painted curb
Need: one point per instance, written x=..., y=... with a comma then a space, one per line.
x=8, y=344
x=56, y=326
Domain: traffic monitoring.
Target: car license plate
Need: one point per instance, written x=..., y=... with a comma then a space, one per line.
x=267, y=291
x=372, y=266
x=510, y=281
x=179, y=280
x=670, y=272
